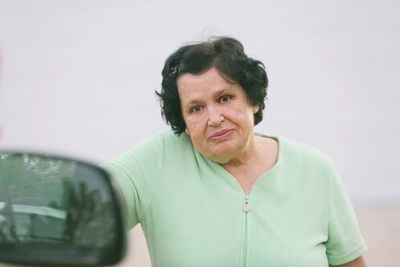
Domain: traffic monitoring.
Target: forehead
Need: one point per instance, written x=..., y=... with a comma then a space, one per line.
x=209, y=77
x=207, y=83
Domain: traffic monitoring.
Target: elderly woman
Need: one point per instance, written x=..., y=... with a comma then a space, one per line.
x=214, y=193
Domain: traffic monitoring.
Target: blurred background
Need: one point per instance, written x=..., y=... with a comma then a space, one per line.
x=78, y=78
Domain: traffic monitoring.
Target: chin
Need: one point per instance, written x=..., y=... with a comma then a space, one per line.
x=221, y=155
x=220, y=152
x=221, y=159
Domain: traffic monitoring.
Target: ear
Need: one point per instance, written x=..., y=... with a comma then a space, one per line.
x=255, y=108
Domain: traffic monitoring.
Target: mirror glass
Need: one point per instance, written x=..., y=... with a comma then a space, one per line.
x=50, y=204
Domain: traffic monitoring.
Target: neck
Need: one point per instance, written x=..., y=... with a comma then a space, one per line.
x=247, y=155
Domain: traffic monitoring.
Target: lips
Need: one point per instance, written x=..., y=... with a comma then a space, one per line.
x=220, y=135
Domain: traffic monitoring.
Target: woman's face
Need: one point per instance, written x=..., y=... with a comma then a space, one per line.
x=218, y=117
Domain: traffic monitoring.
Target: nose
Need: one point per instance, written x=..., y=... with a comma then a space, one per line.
x=215, y=118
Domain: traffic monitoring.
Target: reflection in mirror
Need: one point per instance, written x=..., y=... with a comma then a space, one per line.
x=52, y=201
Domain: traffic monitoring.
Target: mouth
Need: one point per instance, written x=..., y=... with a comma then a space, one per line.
x=220, y=135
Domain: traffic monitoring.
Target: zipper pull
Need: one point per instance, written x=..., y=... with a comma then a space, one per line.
x=246, y=207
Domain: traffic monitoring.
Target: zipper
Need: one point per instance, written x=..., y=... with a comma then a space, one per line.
x=246, y=209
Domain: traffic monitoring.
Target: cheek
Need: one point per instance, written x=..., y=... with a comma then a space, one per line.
x=195, y=125
x=241, y=116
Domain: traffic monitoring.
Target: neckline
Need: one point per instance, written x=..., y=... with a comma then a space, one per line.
x=264, y=177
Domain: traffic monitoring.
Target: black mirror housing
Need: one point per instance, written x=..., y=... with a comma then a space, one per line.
x=56, y=211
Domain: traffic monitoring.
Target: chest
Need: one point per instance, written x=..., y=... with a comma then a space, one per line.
x=203, y=224
x=247, y=177
x=248, y=173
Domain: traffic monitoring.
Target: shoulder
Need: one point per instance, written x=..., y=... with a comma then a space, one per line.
x=159, y=144
x=295, y=154
x=298, y=150
x=167, y=138
x=154, y=152
x=140, y=169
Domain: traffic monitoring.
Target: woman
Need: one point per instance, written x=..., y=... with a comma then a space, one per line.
x=214, y=193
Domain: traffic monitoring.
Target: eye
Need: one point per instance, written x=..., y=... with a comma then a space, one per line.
x=225, y=98
x=196, y=109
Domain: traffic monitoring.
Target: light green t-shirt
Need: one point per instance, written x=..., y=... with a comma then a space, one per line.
x=193, y=215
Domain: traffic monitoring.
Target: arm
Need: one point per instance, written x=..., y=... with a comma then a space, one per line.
x=359, y=262
x=345, y=245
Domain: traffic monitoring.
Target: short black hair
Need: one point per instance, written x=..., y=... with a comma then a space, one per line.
x=227, y=55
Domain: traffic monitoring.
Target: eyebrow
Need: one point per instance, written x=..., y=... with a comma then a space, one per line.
x=215, y=94
x=221, y=92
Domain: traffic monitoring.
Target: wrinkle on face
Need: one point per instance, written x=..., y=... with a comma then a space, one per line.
x=209, y=97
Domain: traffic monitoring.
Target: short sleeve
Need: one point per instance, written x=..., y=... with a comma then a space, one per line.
x=127, y=187
x=345, y=242
x=138, y=172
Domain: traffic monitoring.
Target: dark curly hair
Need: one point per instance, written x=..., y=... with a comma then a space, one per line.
x=227, y=56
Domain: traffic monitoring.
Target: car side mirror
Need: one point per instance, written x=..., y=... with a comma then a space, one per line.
x=58, y=212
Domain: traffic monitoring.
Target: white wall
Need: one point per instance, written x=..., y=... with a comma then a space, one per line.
x=78, y=77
